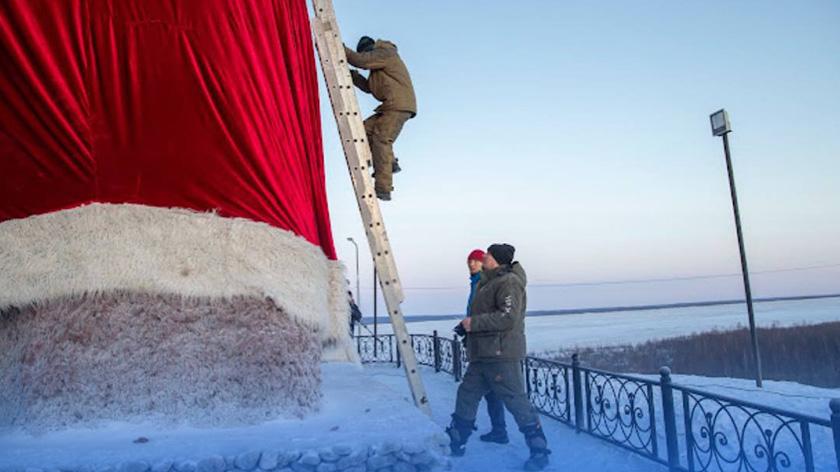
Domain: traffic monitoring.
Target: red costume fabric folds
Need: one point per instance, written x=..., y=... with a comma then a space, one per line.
x=209, y=105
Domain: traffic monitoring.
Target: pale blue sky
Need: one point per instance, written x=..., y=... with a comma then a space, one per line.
x=578, y=132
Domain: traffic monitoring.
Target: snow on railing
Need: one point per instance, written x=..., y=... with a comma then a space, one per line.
x=682, y=428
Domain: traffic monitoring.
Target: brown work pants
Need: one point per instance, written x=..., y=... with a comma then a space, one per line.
x=382, y=130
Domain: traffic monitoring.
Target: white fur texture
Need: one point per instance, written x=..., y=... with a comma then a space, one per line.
x=168, y=359
x=100, y=248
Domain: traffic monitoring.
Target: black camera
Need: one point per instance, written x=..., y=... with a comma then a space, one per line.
x=459, y=330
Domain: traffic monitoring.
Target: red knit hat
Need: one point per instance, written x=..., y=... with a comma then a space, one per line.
x=476, y=255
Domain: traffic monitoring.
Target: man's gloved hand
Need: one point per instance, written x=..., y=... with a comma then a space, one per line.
x=355, y=75
x=459, y=330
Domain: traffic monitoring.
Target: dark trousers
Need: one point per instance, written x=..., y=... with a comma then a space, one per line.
x=496, y=410
x=505, y=381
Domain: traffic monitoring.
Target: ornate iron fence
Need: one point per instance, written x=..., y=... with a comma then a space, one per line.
x=621, y=410
x=548, y=386
x=724, y=433
x=382, y=349
x=714, y=432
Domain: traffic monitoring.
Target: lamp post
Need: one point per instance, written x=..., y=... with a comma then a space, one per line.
x=721, y=127
x=375, y=312
x=358, y=300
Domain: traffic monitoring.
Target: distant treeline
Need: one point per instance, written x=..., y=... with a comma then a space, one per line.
x=807, y=354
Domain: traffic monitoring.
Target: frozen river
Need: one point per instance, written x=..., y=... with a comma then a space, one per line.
x=632, y=327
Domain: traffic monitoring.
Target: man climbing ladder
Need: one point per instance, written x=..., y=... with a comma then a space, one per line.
x=390, y=83
x=354, y=141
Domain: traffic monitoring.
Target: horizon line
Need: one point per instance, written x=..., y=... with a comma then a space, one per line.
x=619, y=308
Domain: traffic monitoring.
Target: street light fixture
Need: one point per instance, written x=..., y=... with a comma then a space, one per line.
x=721, y=127
x=720, y=123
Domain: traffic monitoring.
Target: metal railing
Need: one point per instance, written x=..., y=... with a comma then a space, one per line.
x=680, y=427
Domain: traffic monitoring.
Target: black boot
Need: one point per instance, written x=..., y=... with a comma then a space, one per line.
x=384, y=196
x=459, y=431
x=496, y=435
x=535, y=438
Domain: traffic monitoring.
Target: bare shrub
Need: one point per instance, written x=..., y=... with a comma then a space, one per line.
x=808, y=354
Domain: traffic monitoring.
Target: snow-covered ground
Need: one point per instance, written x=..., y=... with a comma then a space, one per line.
x=356, y=411
x=787, y=396
x=582, y=453
x=570, y=451
x=370, y=405
x=575, y=452
x=549, y=333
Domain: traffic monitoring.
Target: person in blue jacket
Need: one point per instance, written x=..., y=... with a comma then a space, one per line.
x=495, y=407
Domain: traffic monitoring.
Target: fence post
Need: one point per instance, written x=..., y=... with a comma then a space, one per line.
x=456, y=358
x=395, y=348
x=436, y=350
x=835, y=426
x=670, y=419
x=576, y=388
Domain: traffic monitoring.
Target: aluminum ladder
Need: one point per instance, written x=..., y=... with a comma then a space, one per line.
x=357, y=152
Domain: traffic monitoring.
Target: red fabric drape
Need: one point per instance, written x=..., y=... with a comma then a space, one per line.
x=201, y=104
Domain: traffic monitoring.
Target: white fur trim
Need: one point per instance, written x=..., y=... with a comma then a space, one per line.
x=102, y=247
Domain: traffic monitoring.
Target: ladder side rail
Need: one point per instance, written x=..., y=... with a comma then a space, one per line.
x=357, y=152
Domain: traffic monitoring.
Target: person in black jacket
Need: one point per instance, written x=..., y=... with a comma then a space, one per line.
x=496, y=347
x=355, y=313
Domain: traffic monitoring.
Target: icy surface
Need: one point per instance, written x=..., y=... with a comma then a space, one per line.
x=788, y=396
x=791, y=396
x=570, y=451
x=582, y=453
x=357, y=410
x=372, y=405
x=548, y=333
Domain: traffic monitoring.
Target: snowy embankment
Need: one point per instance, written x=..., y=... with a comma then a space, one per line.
x=362, y=425
x=786, y=396
x=551, y=333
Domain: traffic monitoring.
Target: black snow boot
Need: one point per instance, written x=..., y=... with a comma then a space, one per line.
x=496, y=435
x=459, y=431
x=535, y=438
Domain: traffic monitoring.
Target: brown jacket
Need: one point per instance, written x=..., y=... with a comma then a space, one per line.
x=388, y=81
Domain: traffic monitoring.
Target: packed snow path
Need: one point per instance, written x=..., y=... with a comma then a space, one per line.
x=583, y=453
x=570, y=451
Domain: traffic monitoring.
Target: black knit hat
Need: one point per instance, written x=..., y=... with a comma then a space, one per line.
x=503, y=253
x=365, y=44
